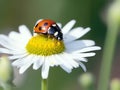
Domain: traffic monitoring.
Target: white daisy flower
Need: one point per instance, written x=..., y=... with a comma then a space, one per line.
x=40, y=51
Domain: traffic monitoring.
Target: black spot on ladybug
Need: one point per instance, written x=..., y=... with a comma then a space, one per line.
x=40, y=28
x=36, y=25
x=45, y=24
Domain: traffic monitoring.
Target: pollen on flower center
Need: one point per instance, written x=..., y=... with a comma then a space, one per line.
x=42, y=45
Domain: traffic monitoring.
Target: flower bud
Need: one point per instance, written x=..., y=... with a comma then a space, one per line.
x=86, y=80
x=115, y=84
x=6, y=71
x=114, y=12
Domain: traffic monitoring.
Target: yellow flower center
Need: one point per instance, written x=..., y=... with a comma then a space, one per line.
x=42, y=45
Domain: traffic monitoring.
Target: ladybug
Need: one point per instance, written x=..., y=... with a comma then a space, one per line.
x=48, y=27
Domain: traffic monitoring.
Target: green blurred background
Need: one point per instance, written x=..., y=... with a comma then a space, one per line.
x=87, y=13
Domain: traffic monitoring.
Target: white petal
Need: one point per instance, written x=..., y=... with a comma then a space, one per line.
x=6, y=51
x=68, y=26
x=10, y=43
x=25, y=31
x=63, y=63
x=6, y=42
x=18, y=52
x=18, y=39
x=86, y=30
x=79, y=44
x=17, y=56
x=76, y=34
x=88, y=49
x=45, y=69
x=68, y=70
x=70, y=60
x=62, y=60
x=60, y=25
x=14, y=35
x=25, y=67
x=83, y=66
x=77, y=57
x=38, y=62
x=25, y=35
x=23, y=61
x=81, y=59
x=53, y=61
x=85, y=54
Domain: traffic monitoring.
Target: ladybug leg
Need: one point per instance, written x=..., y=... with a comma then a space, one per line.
x=50, y=36
x=53, y=39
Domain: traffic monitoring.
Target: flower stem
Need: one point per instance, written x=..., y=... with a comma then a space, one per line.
x=108, y=53
x=44, y=85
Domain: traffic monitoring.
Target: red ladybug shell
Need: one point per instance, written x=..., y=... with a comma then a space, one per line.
x=43, y=25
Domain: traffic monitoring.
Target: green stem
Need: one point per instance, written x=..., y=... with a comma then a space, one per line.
x=44, y=85
x=108, y=55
